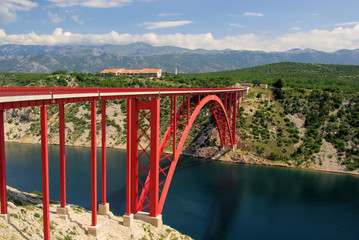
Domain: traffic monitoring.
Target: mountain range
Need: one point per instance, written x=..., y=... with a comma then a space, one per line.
x=45, y=59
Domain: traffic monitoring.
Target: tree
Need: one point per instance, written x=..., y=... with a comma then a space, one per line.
x=60, y=72
x=278, y=83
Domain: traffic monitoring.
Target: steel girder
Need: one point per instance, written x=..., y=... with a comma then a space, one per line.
x=222, y=106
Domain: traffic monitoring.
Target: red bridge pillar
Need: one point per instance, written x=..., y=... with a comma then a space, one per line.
x=45, y=173
x=3, y=194
x=104, y=207
x=93, y=229
x=62, y=210
x=138, y=170
x=234, y=119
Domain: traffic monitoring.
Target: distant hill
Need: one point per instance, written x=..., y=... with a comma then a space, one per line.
x=304, y=75
x=44, y=59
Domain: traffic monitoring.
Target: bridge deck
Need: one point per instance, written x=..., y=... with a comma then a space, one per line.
x=14, y=97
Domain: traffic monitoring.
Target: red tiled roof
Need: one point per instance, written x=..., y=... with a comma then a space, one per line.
x=131, y=71
x=150, y=70
x=111, y=70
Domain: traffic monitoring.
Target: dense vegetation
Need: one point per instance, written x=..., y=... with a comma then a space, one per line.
x=295, y=75
x=325, y=97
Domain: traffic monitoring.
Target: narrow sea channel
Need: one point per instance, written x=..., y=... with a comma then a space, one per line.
x=211, y=200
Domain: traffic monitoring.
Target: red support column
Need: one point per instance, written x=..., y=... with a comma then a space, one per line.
x=229, y=109
x=62, y=155
x=45, y=173
x=174, y=126
x=104, y=207
x=239, y=102
x=128, y=217
x=3, y=194
x=234, y=118
x=188, y=106
x=154, y=157
x=130, y=102
x=93, y=165
x=132, y=156
x=225, y=101
x=103, y=106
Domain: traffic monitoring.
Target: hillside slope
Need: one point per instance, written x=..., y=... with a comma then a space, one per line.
x=312, y=126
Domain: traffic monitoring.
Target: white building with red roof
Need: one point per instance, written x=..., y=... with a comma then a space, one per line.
x=148, y=72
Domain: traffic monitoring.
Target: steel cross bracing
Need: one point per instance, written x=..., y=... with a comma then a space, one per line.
x=150, y=162
x=172, y=144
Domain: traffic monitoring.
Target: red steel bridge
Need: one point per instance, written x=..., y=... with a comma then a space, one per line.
x=150, y=162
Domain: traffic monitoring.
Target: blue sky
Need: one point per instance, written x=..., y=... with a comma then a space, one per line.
x=275, y=25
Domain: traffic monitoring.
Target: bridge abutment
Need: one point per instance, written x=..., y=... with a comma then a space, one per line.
x=6, y=217
x=104, y=209
x=154, y=221
x=62, y=212
x=94, y=230
x=128, y=220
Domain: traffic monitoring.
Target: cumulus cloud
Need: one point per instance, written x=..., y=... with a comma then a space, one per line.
x=253, y=14
x=91, y=3
x=8, y=9
x=325, y=40
x=164, y=24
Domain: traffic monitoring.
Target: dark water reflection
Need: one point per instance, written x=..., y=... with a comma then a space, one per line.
x=212, y=200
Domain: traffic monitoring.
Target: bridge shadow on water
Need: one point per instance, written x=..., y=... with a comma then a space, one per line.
x=224, y=209
x=221, y=191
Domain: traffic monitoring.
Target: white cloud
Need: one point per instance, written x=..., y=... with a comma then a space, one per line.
x=168, y=14
x=237, y=25
x=253, y=14
x=54, y=17
x=325, y=40
x=76, y=18
x=295, y=28
x=91, y=3
x=164, y=24
x=347, y=24
x=8, y=9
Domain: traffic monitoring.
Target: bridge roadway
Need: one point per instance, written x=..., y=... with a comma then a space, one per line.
x=147, y=182
x=15, y=97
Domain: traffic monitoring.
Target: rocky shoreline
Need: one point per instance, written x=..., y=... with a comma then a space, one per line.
x=25, y=210
x=239, y=157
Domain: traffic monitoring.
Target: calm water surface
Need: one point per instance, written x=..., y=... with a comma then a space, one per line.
x=211, y=200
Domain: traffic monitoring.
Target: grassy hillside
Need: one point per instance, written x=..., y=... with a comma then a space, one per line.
x=299, y=75
x=310, y=119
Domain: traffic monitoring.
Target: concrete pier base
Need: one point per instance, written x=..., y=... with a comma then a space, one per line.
x=104, y=209
x=155, y=221
x=62, y=212
x=6, y=217
x=128, y=220
x=94, y=231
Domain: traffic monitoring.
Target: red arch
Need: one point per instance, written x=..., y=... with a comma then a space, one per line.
x=223, y=124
